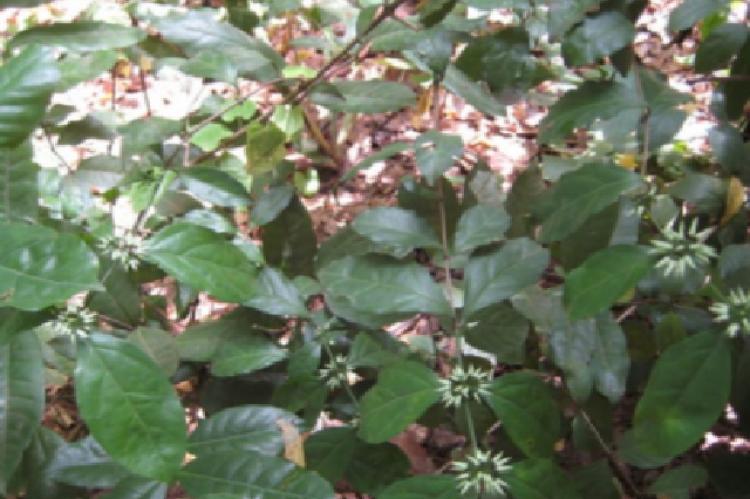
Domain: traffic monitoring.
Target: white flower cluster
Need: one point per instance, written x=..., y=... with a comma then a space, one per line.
x=122, y=249
x=75, y=320
x=682, y=249
x=483, y=472
x=735, y=312
x=464, y=385
x=335, y=372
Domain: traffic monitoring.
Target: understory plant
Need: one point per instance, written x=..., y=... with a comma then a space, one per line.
x=572, y=336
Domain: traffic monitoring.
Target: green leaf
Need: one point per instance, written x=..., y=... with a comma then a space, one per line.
x=736, y=93
x=678, y=483
x=596, y=37
x=382, y=285
x=423, y=487
x=215, y=186
x=40, y=267
x=204, y=260
x=374, y=349
x=244, y=353
x=85, y=463
x=18, y=184
x=397, y=228
x=540, y=479
x=493, y=277
x=130, y=407
x=431, y=13
x=271, y=203
x=436, y=152
x=603, y=278
x=368, y=97
x=564, y=14
x=36, y=463
x=276, y=295
x=528, y=411
x=475, y=93
x=479, y=225
x=26, y=83
x=717, y=50
x=329, y=451
x=137, y=488
x=79, y=36
x=403, y=392
x=244, y=428
x=250, y=474
x=690, y=12
x=582, y=193
x=121, y=298
x=504, y=61
x=730, y=150
x=210, y=136
x=686, y=393
x=501, y=331
x=211, y=64
x=14, y=322
x=385, y=152
x=197, y=31
x=21, y=400
x=665, y=119
x=265, y=147
x=159, y=345
x=75, y=69
x=374, y=466
x=143, y=133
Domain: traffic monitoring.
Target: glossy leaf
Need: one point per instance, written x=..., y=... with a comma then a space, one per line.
x=737, y=92
x=717, y=50
x=289, y=242
x=582, y=193
x=85, y=463
x=690, y=12
x=264, y=148
x=26, y=83
x=215, y=186
x=528, y=412
x=501, y=331
x=245, y=353
x=271, y=203
x=403, y=392
x=275, y=294
x=137, y=488
x=384, y=286
x=385, y=152
x=423, y=487
x=36, y=463
x=496, y=276
x=80, y=36
x=479, y=225
x=603, y=278
x=250, y=474
x=397, y=228
x=159, y=345
x=21, y=400
x=687, y=391
x=130, y=407
x=244, y=428
x=18, y=184
x=564, y=14
x=436, y=152
x=203, y=259
x=596, y=37
x=475, y=93
x=678, y=483
x=538, y=478
x=374, y=466
x=40, y=267
x=368, y=97
x=330, y=451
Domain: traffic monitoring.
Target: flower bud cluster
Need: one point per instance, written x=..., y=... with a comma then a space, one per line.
x=336, y=372
x=735, y=312
x=483, y=472
x=464, y=385
x=682, y=249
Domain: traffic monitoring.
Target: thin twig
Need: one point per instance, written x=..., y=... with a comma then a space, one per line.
x=54, y=150
x=144, y=90
x=113, y=104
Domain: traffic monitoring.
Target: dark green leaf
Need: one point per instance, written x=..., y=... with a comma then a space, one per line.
x=18, y=184
x=475, y=93
x=690, y=12
x=40, y=267
x=26, y=83
x=215, y=186
x=36, y=461
x=75, y=69
x=244, y=428
x=211, y=64
x=501, y=331
x=381, y=285
x=250, y=474
x=678, y=483
x=203, y=259
x=664, y=119
x=528, y=411
x=596, y=37
x=137, y=488
x=497, y=276
x=80, y=36
x=159, y=345
x=143, y=133
x=730, y=150
x=130, y=407
x=603, y=278
x=431, y=13
x=479, y=225
x=369, y=97
x=271, y=203
x=717, y=50
x=85, y=464
x=374, y=349
x=687, y=391
x=244, y=353
x=329, y=452
x=264, y=148
x=21, y=400
x=737, y=92
x=706, y=193
x=289, y=242
x=403, y=392
x=385, y=152
x=540, y=479
x=582, y=193
x=734, y=266
x=276, y=295
x=436, y=152
x=121, y=298
x=564, y=14
x=399, y=229
x=423, y=487
x=14, y=322
x=374, y=466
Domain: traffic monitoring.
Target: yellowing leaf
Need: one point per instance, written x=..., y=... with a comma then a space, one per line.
x=735, y=199
x=294, y=449
x=627, y=161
